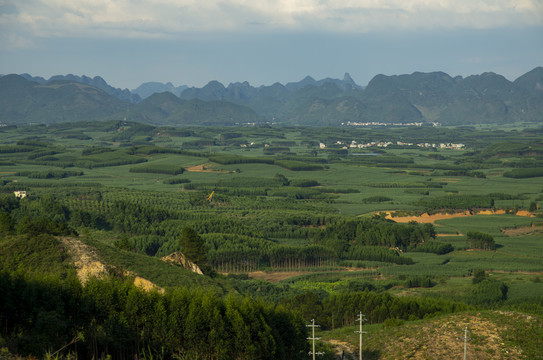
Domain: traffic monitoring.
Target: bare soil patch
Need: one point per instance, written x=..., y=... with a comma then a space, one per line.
x=146, y=284
x=86, y=261
x=427, y=218
x=88, y=264
x=341, y=348
x=282, y=275
x=275, y=276
x=203, y=168
x=524, y=230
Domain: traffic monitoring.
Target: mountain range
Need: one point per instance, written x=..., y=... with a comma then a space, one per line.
x=417, y=97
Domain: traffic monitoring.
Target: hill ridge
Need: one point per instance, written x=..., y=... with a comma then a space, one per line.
x=425, y=98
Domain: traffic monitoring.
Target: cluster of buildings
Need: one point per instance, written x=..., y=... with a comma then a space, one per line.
x=20, y=194
x=385, y=144
x=377, y=123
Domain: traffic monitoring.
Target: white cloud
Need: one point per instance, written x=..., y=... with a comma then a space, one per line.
x=162, y=18
x=12, y=41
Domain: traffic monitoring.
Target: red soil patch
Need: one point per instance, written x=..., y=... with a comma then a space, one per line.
x=426, y=218
x=203, y=168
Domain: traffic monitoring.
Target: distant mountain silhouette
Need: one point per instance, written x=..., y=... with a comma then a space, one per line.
x=417, y=97
x=23, y=101
x=97, y=81
x=149, y=88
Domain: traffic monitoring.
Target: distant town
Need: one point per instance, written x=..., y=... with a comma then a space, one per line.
x=355, y=144
x=376, y=123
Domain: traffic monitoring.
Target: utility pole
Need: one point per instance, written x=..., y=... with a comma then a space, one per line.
x=361, y=318
x=313, y=338
x=466, y=339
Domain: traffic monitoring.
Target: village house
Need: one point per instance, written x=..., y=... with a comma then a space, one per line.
x=20, y=194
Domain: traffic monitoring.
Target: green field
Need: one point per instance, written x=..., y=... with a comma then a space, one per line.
x=270, y=202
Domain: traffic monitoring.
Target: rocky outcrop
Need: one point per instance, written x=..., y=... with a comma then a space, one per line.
x=178, y=258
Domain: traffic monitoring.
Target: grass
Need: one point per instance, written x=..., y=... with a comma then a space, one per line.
x=34, y=254
x=494, y=335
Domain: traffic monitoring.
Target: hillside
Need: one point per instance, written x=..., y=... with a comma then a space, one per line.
x=97, y=81
x=167, y=109
x=23, y=101
x=149, y=88
x=418, y=97
x=423, y=98
x=492, y=335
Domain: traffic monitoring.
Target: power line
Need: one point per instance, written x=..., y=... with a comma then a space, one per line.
x=313, y=338
x=466, y=339
x=361, y=318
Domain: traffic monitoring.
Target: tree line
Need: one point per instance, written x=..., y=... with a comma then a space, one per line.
x=43, y=314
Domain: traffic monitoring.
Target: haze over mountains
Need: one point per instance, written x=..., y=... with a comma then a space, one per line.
x=418, y=97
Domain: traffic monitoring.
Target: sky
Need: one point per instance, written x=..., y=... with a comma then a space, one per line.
x=191, y=42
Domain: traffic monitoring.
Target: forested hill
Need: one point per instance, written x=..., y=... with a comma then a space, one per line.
x=23, y=101
x=398, y=99
x=418, y=97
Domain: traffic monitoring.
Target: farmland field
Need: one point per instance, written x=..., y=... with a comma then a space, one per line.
x=302, y=217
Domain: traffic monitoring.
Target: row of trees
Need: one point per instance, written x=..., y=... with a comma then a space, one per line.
x=153, y=230
x=373, y=232
x=340, y=309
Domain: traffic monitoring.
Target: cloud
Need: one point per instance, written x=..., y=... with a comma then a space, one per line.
x=12, y=41
x=173, y=18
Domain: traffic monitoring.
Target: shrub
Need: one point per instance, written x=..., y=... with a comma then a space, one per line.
x=480, y=240
x=298, y=165
x=433, y=247
x=524, y=173
x=173, y=181
x=419, y=281
x=488, y=292
x=478, y=276
x=376, y=199
x=158, y=169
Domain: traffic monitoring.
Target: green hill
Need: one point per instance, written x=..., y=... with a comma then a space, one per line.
x=487, y=98
x=167, y=109
x=23, y=101
x=492, y=335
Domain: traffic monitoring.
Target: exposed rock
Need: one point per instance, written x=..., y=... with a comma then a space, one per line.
x=86, y=261
x=146, y=284
x=178, y=258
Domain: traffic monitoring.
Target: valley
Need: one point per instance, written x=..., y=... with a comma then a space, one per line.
x=285, y=230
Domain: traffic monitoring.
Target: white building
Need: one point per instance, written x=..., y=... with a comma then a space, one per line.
x=20, y=194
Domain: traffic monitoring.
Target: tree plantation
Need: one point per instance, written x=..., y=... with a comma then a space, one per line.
x=286, y=224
